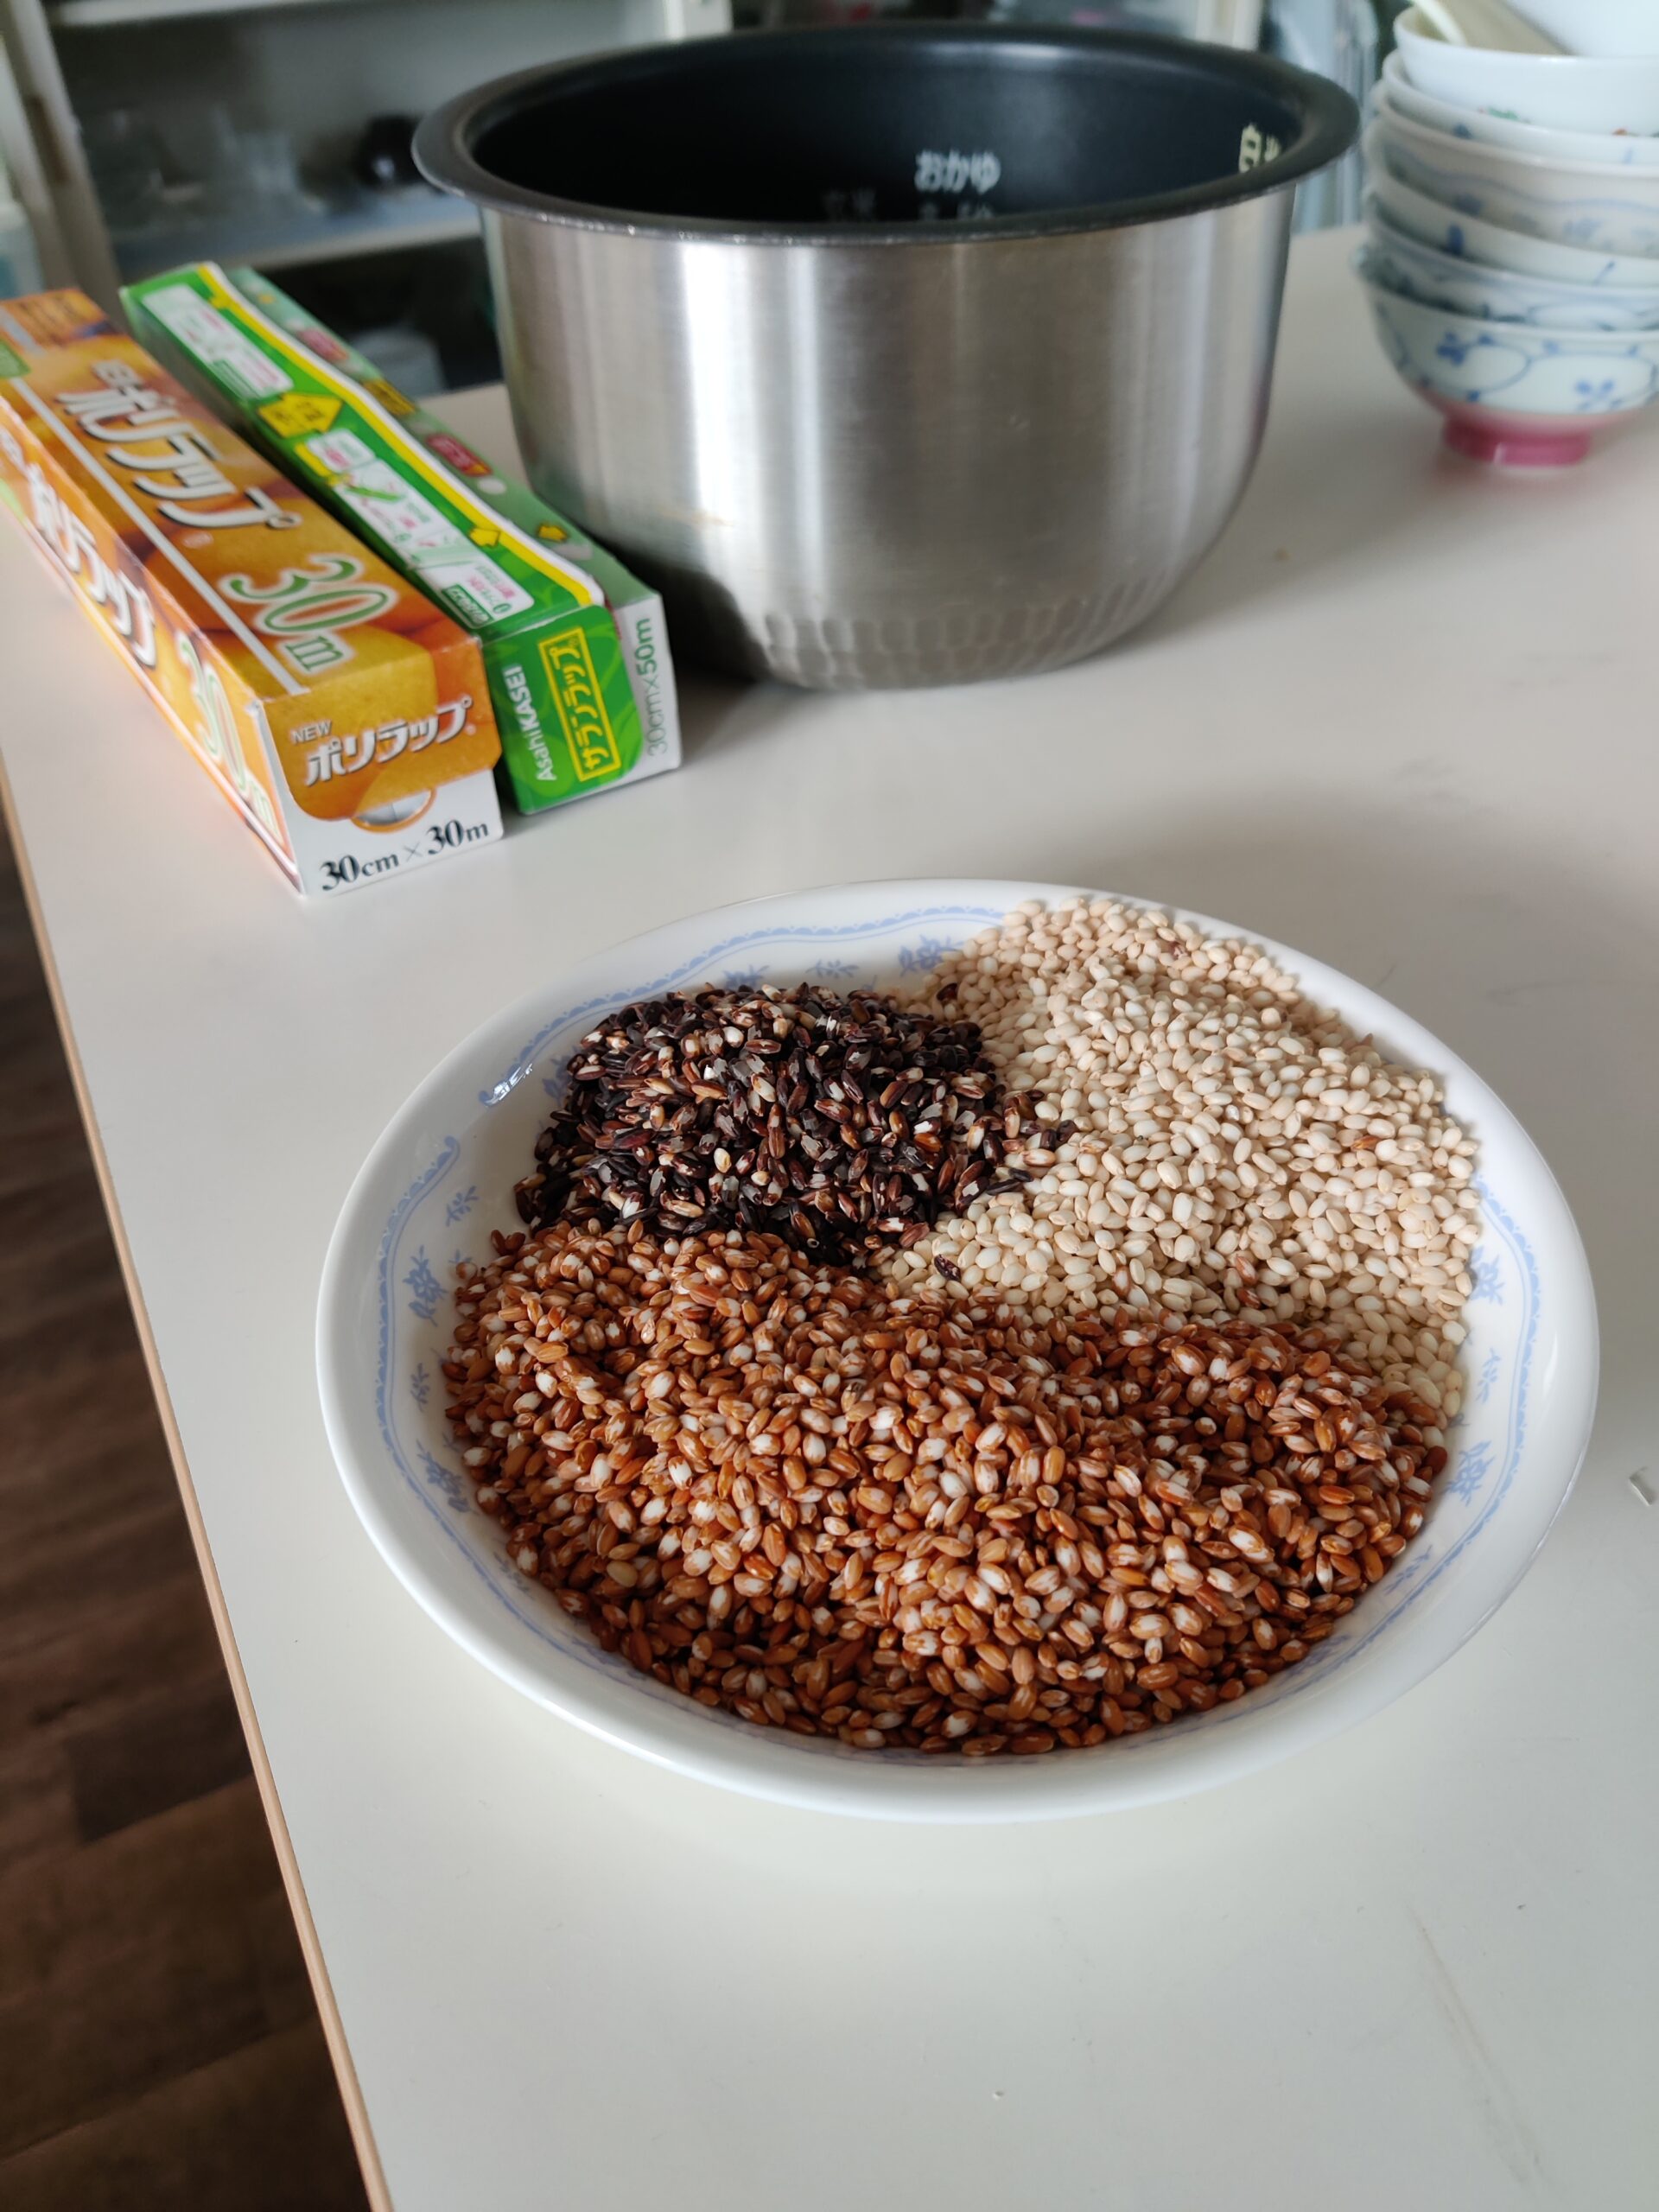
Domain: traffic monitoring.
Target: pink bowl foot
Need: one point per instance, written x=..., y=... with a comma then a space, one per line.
x=1517, y=448
x=1515, y=441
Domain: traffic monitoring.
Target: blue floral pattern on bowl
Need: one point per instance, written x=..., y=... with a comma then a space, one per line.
x=1520, y=370
x=1448, y=278
x=923, y=959
x=1451, y=225
x=1620, y=215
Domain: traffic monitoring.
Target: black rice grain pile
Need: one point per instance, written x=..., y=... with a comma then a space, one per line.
x=839, y=1123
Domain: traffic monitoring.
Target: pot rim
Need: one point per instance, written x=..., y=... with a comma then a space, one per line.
x=1329, y=124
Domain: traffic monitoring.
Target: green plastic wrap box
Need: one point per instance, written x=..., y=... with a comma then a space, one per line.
x=575, y=650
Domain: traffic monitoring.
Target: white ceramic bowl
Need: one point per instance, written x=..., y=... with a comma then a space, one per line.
x=1610, y=150
x=1452, y=232
x=1568, y=91
x=442, y=1176
x=1602, y=210
x=1559, y=373
x=1615, y=28
x=1527, y=398
x=1450, y=280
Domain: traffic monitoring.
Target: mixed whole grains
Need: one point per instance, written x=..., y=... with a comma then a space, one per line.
x=1062, y=1351
x=785, y=1488
x=840, y=1122
x=1218, y=1144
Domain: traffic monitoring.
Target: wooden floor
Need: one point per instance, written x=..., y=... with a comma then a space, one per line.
x=158, y=2043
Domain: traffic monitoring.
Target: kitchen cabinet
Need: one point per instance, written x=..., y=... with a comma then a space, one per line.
x=154, y=132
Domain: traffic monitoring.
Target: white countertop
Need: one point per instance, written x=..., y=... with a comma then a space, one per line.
x=1403, y=718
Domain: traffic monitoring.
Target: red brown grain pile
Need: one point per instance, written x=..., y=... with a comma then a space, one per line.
x=788, y=1490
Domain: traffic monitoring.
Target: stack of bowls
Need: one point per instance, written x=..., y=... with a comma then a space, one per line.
x=1512, y=260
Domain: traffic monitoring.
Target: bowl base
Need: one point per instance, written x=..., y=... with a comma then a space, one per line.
x=1516, y=441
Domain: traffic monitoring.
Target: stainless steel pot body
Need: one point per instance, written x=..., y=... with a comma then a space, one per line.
x=899, y=353
x=920, y=461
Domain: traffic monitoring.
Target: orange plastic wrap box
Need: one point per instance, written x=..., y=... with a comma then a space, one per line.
x=341, y=712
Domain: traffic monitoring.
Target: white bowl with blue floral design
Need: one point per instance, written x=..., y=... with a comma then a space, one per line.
x=1450, y=280
x=1540, y=394
x=1451, y=231
x=1611, y=150
x=1601, y=210
x=441, y=1177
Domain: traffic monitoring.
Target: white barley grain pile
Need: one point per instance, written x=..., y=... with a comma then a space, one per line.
x=1221, y=1145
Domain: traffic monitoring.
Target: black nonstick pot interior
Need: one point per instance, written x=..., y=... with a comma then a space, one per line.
x=889, y=125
